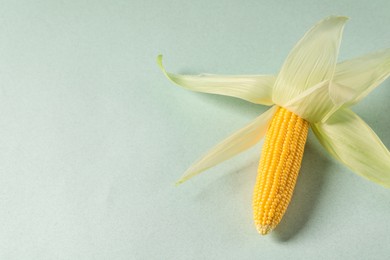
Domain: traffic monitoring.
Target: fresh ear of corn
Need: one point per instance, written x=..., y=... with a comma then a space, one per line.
x=278, y=168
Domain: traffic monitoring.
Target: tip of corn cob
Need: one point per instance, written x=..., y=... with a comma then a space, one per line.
x=264, y=230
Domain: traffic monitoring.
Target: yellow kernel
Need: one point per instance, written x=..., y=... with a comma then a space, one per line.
x=278, y=168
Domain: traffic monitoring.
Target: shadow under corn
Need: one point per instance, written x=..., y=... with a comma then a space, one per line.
x=310, y=182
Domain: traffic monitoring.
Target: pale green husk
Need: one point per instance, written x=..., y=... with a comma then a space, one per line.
x=311, y=61
x=313, y=86
x=253, y=88
x=351, y=141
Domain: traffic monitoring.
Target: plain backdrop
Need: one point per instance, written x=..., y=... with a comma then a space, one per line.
x=93, y=136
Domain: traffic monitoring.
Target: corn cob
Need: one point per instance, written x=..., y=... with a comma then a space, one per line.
x=278, y=168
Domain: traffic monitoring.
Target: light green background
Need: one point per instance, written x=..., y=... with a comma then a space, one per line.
x=92, y=136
